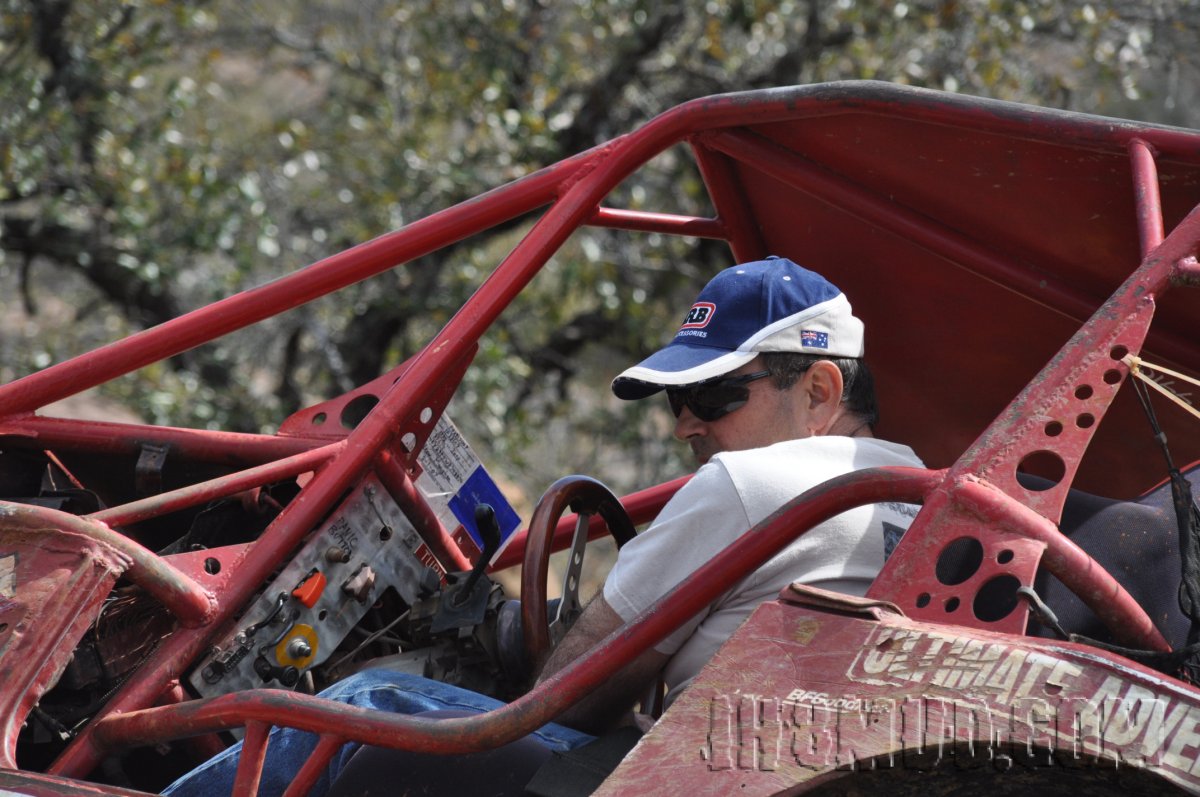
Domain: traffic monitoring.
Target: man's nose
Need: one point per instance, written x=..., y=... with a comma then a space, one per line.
x=688, y=425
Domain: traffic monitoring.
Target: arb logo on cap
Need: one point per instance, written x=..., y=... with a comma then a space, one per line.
x=699, y=316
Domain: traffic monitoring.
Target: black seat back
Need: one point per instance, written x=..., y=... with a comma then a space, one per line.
x=1138, y=543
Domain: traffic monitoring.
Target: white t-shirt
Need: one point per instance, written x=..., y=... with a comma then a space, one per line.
x=728, y=495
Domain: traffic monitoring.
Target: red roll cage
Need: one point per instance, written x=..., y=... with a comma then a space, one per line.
x=973, y=237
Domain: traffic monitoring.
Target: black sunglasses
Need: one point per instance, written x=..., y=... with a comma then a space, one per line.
x=709, y=401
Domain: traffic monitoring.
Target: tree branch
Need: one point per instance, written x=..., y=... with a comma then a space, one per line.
x=143, y=302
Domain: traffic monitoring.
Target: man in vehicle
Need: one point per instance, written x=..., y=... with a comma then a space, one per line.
x=766, y=380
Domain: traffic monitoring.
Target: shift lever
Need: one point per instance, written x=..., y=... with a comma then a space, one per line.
x=489, y=532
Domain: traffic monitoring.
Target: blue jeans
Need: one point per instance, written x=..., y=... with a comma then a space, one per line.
x=384, y=690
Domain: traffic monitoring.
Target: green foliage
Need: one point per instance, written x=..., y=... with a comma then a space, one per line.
x=157, y=156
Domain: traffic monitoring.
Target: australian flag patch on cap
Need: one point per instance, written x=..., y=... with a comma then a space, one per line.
x=811, y=339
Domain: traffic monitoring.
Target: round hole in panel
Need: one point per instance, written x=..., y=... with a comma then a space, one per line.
x=319, y=419
x=1085, y=420
x=357, y=408
x=409, y=441
x=212, y=565
x=1112, y=376
x=385, y=534
x=1004, y=557
x=426, y=414
x=959, y=560
x=922, y=600
x=1046, y=465
x=951, y=605
x=1053, y=429
x=1083, y=392
x=996, y=598
x=1118, y=352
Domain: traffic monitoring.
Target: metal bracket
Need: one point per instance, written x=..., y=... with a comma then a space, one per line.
x=459, y=608
x=147, y=475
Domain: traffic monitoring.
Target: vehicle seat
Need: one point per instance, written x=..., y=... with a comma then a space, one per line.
x=382, y=771
x=523, y=767
x=1138, y=543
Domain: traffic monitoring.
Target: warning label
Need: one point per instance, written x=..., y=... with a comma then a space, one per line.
x=454, y=482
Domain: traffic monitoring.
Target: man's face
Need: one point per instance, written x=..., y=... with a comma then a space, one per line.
x=768, y=416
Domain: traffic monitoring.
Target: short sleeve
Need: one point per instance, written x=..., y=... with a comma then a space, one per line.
x=697, y=523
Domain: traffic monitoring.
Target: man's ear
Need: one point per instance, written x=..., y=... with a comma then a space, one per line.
x=822, y=386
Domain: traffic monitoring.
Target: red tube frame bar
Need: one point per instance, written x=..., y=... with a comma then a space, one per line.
x=191, y=603
x=667, y=223
x=203, y=325
x=1149, y=209
x=367, y=250
x=337, y=723
x=1146, y=195
x=398, y=484
x=540, y=705
x=105, y=437
x=576, y=187
x=642, y=507
x=220, y=487
x=256, y=304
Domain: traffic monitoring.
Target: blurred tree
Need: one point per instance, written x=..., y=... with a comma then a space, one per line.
x=156, y=156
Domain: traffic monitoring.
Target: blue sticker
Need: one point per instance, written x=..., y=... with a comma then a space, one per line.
x=480, y=489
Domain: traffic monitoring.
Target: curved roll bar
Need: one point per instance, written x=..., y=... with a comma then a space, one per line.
x=191, y=603
x=337, y=723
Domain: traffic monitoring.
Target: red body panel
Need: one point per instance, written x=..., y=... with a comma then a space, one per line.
x=818, y=687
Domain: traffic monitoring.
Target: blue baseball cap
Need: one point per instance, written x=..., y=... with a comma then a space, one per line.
x=764, y=306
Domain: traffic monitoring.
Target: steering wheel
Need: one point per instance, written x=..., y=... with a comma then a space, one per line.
x=586, y=497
